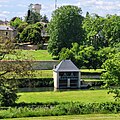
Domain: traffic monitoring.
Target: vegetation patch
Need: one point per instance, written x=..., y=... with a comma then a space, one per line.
x=33, y=54
x=67, y=108
x=75, y=117
x=86, y=96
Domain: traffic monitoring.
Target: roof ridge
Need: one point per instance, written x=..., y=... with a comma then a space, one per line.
x=66, y=65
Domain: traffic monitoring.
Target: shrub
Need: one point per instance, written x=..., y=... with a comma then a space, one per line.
x=57, y=109
x=8, y=95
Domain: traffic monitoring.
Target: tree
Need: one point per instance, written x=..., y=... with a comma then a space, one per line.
x=112, y=74
x=65, y=54
x=32, y=33
x=104, y=54
x=93, y=25
x=15, y=22
x=81, y=55
x=65, y=28
x=10, y=72
x=32, y=17
x=19, y=30
x=88, y=57
x=111, y=30
x=101, y=32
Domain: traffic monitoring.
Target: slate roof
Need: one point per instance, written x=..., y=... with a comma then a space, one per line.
x=3, y=27
x=66, y=65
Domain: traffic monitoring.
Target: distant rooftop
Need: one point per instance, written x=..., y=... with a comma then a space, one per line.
x=66, y=65
x=4, y=27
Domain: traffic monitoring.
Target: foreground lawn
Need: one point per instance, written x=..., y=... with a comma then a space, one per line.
x=75, y=117
x=86, y=96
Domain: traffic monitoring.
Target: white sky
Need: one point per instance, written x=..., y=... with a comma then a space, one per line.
x=12, y=8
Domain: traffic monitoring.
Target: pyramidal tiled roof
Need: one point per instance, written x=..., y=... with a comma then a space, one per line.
x=66, y=65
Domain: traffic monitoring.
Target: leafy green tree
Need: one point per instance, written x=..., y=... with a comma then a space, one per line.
x=15, y=22
x=18, y=25
x=101, y=32
x=32, y=33
x=88, y=57
x=9, y=73
x=112, y=74
x=65, y=54
x=65, y=28
x=81, y=56
x=93, y=25
x=111, y=30
x=104, y=54
x=20, y=28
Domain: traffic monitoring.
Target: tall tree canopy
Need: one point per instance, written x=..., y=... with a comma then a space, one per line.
x=65, y=28
x=111, y=29
x=32, y=33
x=112, y=74
x=19, y=30
x=15, y=22
x=32, y=17
x=102, y=31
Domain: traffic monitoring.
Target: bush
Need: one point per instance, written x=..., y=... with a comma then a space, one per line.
x=8, y=95
x=56, y=109
x=41, y=82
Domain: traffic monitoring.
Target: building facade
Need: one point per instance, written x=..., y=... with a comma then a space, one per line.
x=35, y=7
x=66, y=75
x=6, y=33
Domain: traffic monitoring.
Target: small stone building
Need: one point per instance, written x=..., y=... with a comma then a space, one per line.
x=6, y=33
x=66, y=75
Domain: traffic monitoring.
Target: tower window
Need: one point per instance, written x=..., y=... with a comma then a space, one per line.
x=6, y=33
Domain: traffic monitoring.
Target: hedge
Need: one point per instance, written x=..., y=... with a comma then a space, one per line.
x=57, y=109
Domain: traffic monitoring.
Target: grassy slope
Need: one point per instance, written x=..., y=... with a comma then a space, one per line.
x=75, y=117
x=33, y=54
x=38, y=54
x=43, y=55
x=86, y=96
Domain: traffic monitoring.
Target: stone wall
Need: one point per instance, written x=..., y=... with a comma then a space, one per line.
x=27, y=47
x=36, y=65
x=44, y=65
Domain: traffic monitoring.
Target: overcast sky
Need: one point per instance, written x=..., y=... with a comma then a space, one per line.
x=12, y=8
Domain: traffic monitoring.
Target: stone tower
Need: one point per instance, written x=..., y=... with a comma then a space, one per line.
x=35, y=7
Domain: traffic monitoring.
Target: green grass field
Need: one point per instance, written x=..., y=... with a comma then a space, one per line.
x=75, y=117
x=86, y=96
x=32, y=54
x=38, y=54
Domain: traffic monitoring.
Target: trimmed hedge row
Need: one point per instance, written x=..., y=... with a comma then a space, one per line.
x=48, y=82
x=57, y=109
x=41, y=82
